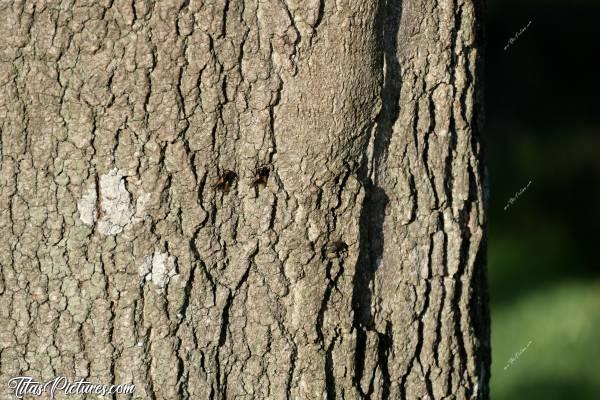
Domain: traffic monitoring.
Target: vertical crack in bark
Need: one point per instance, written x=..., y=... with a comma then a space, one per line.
x=420, y=321
x=220, y=387
x=386, y=341
x=320, y=14
x=427, y=140
x=329, y=371
x=292, y=369
x=387, y=23
x=323, y=307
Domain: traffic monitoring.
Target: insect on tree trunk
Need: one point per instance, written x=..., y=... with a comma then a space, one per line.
x=244, y=199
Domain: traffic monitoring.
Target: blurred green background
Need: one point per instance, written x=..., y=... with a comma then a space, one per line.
x=543, y=126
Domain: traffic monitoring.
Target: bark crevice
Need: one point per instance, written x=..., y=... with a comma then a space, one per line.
x=387, y=24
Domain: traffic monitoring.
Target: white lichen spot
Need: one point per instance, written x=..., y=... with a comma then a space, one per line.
x=113, y=210
x=146, y=267
x=158, y=268
x=115, y=201
x=87, y=206
x=140, y=207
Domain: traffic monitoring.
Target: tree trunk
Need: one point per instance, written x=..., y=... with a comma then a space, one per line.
x=244, y=199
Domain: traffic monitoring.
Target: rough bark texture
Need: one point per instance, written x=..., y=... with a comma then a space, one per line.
x=126, y=257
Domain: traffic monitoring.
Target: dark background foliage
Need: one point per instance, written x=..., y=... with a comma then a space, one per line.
x=542, y=126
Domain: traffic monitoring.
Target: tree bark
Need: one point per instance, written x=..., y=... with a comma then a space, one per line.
x=142, y=242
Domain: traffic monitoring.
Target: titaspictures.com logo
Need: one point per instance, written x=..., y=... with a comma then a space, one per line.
x=22, y=386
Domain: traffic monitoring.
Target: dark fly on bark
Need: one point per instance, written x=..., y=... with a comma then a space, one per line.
x=260, y=178
x=225, y=181
x=336, y=248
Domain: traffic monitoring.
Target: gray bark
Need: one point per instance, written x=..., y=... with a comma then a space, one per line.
x=130, y=254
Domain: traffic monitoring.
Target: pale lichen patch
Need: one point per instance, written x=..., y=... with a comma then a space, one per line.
x=115, y=201
x=110, y=206
x=158, y=268
x=87, y=206
x=140, y=207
